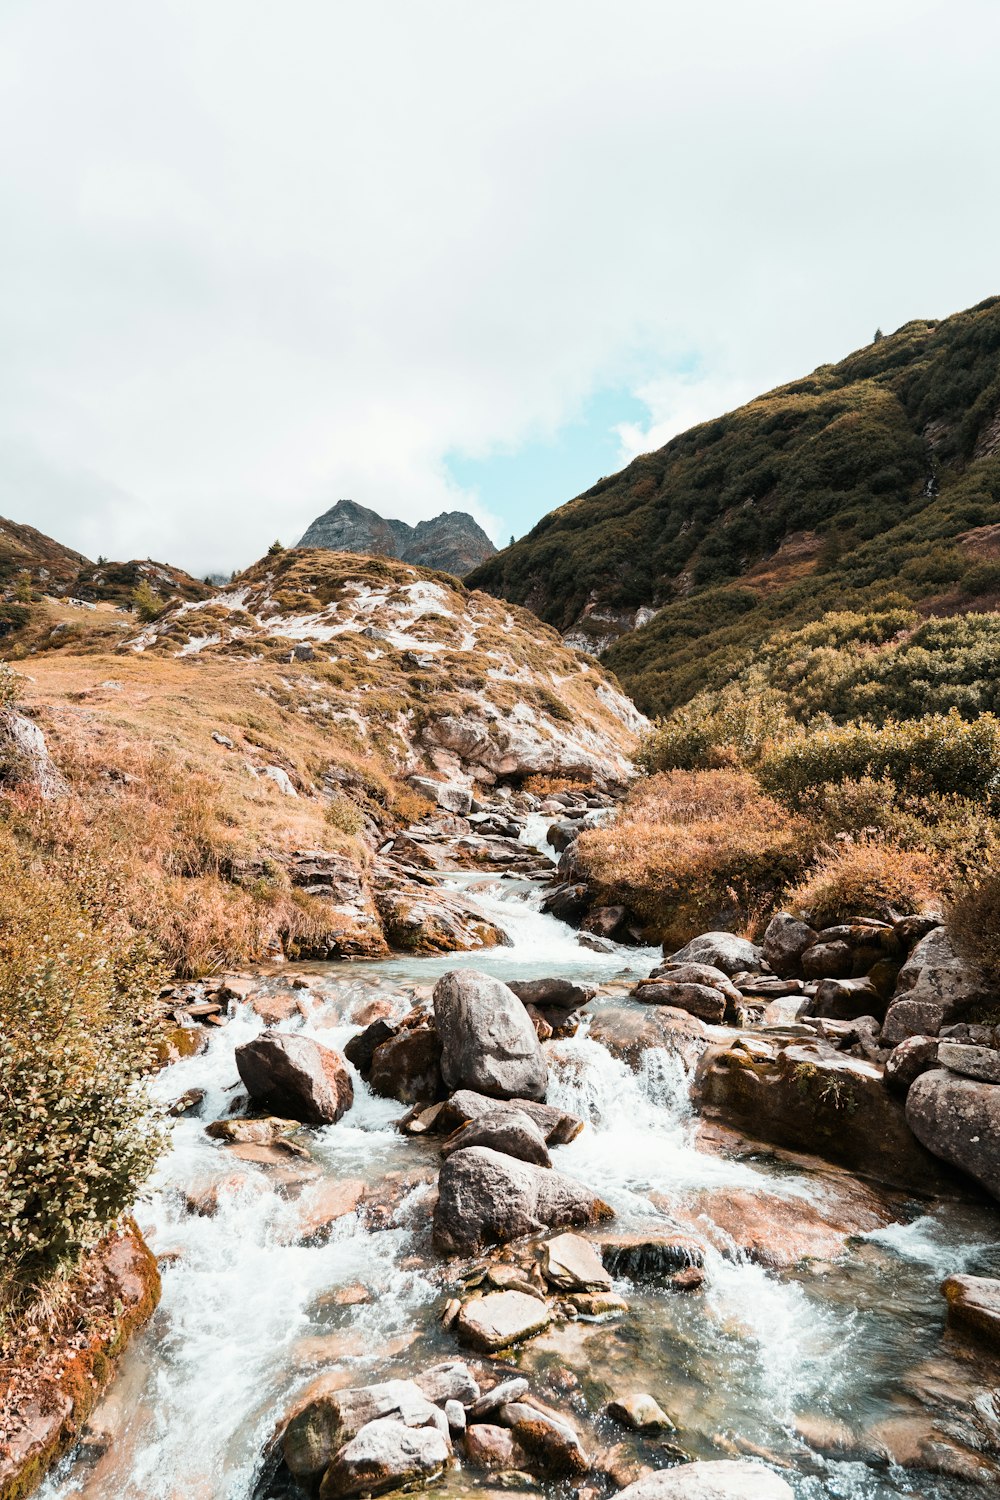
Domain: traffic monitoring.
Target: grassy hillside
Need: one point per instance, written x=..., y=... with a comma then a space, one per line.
x=871, y=483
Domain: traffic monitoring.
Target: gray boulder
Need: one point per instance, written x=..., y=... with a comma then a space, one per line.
x=509, y=1131
x=785, y=940
x=485, y=1198
x=295, y=1077
x=723, y=950
x=316, y=1432
x=935, y=978
x=557, y=1126
x=488, y=1042
x=559, y=994
x=906, y=1062
x=958, y=1119
x=969, y=1061
x=701, y=1000
x=718, y=1479
x=385, y=1455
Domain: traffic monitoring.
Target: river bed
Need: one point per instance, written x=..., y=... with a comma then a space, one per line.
x=748, y=1364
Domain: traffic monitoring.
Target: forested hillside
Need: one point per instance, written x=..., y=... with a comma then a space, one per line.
x=874, y=482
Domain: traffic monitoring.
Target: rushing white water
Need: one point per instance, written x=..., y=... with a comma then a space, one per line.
x=248, y=1316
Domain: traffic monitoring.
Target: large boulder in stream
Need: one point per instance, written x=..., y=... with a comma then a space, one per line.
x=509, y=1131
x=722, y=950
x=386, y=1455
x=959, y=1120
x=485, y=1198
x=557, y=1126
x=295, y=1077
x=488, y=1042
x=934, y=988
x=718, y=1479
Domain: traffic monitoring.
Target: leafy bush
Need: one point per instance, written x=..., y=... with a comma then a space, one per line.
x=75, y=1041
x=973, y=919
x=940, y=753
x=734, y=724
x=145, y=601
x=696, y=850
x=342, y=814
x=870, y=878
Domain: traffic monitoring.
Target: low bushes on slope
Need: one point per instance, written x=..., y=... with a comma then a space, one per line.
x=76, y=1004
x=871, y=878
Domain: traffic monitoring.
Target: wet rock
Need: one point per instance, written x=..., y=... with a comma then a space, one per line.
x=407, y=1067
x=785, y=940
x=974, y=1306
x=491, y=1447
x=596, y=1304
x=561, y=834
x=553, y=1445
x=509, y=1131
x=639, y=1412
x=189, y=1103
x=324, y=1424
x=360, y=1050
x=385, y=1455
x=723, y=950
x=650, y=1255
x=906, y=1062
x=263, y=1132
x=491, y=1401
x=958, y=1119
x=982, y=1063
x=555, y=994
x=628, y=1034
x=718, y=1479
x=488, y=1042
x=454, y=1413
x=295, y=1076
x=321, y=1207
x=450, y=1381
x=572, y=1264
x=426, y=919
x=700, y=1000
x=811, y=1097
x=557, y=1126
x=688, y=1280
x=500, y=1319
x=485, y=1198
x=605, y=921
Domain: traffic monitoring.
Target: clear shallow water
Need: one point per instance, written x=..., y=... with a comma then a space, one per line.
x=248, y=1318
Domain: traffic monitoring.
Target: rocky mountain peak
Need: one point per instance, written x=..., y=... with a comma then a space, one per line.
x=452, y=542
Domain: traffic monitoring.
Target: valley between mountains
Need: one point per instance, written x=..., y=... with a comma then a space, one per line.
x=420, y=1069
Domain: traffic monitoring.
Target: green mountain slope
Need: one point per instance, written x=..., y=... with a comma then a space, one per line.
x=872, y=482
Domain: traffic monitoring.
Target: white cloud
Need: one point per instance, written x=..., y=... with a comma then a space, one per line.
x=257, y=257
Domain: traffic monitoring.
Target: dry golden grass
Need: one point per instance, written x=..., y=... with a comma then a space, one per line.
x=691, y=851
x=867, y=878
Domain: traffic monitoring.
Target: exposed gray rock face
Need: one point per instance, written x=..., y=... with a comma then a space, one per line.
x=24, y=756
x=558, y=1127
x=971, y=1062
x=295, y=1077
x=385, y=1455
x=486, y=1198
x=510, y=1131
x=701, y=1000
x=785, y=940
x=452, y=541
x=719, y=1479
x=487, y=1040
x=934, y=987
x=958, y=1119
x=722, y=950
x=906, y=1062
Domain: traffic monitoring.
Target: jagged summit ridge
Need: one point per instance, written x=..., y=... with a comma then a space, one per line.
x=452, y=541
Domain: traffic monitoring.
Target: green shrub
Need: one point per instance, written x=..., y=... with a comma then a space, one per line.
x=732, y=725
x=940, y=753
x=342, y=814
x=75, y=1042
x=145, y=601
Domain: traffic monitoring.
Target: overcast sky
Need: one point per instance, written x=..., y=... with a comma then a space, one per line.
x=255, y=256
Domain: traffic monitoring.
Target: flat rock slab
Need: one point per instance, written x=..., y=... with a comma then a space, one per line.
x=502, y=1318
x=572, y=1264
x=974, y=1304
x=721, y=1479
x=972, y=1062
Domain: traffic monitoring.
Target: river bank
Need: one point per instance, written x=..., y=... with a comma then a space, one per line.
x=833, y=1366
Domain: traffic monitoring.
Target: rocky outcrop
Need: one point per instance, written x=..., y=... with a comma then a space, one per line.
x=933, y=989
x=452, y=541
x=486, y=1198
x=974, y=1306
x=47, y=1395
x=487, y=1040
x=811, y=1097
x=25, y=758
x=295, y=1077
x=958, y=1119
x=557, y=1126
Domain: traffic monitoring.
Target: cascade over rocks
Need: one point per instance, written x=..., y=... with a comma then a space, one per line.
x=486, y=1198
x=296, y=1077
x=488, y=1042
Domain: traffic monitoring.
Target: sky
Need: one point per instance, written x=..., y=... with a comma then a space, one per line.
x=451, y=254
